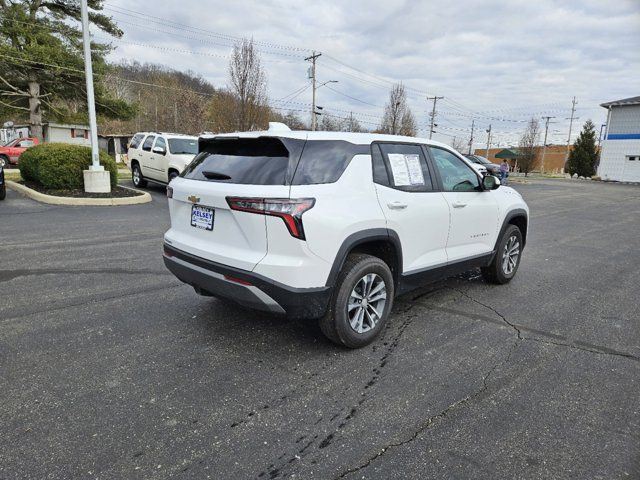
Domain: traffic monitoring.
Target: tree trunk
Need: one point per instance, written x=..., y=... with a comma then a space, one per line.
x=35, y=112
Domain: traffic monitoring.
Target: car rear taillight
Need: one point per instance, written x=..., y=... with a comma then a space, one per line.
x=169, y=192
x=288, y=209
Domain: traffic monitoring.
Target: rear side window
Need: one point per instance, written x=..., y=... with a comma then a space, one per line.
x=407, y=167
x=135, y=141
x=146, y=146
x=249, y=161
x=161, y=142
x=324, y=161
x=380, y=174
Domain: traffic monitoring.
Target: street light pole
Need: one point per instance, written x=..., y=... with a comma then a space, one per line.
x=96, y=179
x=88, y=70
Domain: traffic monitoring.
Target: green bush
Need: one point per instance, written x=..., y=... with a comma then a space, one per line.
x=59, y=166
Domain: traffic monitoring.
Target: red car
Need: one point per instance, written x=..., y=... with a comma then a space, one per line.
x=10, y=152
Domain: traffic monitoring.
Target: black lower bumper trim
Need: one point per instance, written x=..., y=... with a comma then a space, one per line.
x=253, y=290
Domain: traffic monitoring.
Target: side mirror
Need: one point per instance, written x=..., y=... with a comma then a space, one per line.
x=159, y=150
x=489, y=182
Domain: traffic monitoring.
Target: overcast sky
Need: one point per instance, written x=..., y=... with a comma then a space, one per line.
x=496, y=62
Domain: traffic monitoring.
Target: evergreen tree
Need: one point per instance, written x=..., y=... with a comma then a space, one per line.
x=583, y=157
x=41, y=63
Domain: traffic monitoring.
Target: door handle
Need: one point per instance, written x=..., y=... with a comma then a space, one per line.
x=397, y=205
x=458, y=205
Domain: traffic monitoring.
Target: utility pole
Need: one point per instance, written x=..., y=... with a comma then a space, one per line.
x=313, y=59
x=573, y=111
x=473, y=124
x=488, y=141
x=96, y=179
x=433, y=113
x=544, y=146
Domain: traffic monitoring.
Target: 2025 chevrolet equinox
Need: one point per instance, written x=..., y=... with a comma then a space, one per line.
x=333, y=226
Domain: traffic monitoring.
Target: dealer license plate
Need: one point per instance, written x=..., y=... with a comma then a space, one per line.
x=202, y=217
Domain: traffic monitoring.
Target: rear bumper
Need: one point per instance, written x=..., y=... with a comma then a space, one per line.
x=246, y=288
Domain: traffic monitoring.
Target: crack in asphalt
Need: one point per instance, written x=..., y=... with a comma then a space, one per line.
x=279, y=470
x=562, y=340
x=485, y=379
x=607, y=351
x=441, y=415
x=504, y=319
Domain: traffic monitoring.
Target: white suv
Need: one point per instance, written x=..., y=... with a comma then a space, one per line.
x=335, y=225
x=159, y=157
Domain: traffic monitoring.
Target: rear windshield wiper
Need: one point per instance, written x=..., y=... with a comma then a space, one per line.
x=215, y=175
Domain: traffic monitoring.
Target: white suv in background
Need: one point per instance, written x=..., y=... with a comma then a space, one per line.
x=335, y=225
x=159, y=157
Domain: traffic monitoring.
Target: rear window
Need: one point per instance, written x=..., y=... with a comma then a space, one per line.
x=183, y=146
x=250, y=161
x=324, y=161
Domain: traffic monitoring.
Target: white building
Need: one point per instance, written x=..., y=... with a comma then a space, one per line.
x=52, y=132
x=63, y=133
x=620, y=154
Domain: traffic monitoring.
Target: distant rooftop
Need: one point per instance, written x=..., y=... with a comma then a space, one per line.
x=624, y=101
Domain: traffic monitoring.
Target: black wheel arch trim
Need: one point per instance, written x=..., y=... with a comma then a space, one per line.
x=362, y=237
x=517, y=212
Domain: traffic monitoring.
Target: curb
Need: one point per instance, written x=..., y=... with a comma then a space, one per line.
x=53, y=200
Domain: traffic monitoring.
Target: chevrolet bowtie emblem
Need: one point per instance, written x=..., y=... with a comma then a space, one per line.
x=193, y=199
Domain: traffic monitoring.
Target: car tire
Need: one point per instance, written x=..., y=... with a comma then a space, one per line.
x=4, y=160
x=136, y=176
x=504, y=265
x=172, y=174
x=351, y=321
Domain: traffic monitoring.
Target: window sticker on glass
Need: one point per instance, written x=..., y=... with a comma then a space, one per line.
x=399, y=170
x=406, y=169
x=415, y=169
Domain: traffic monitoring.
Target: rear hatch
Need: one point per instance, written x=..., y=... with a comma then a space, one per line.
x=202, y=222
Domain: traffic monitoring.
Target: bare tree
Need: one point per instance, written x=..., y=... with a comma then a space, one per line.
x=351, y=124
x=397, y=118
x=459, y=144
x=249, y=87
x=330, y=123
x=528, y=146
x=290, y=119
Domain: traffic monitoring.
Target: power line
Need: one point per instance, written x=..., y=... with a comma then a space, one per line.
x=353, y=98
x=173, y=24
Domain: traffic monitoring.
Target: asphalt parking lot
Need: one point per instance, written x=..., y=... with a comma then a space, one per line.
x=111, y=368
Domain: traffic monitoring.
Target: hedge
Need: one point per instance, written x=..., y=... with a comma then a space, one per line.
x=59, y=166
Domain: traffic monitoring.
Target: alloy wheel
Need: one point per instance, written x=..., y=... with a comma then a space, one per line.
x=510, y=255
x=366, y=302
